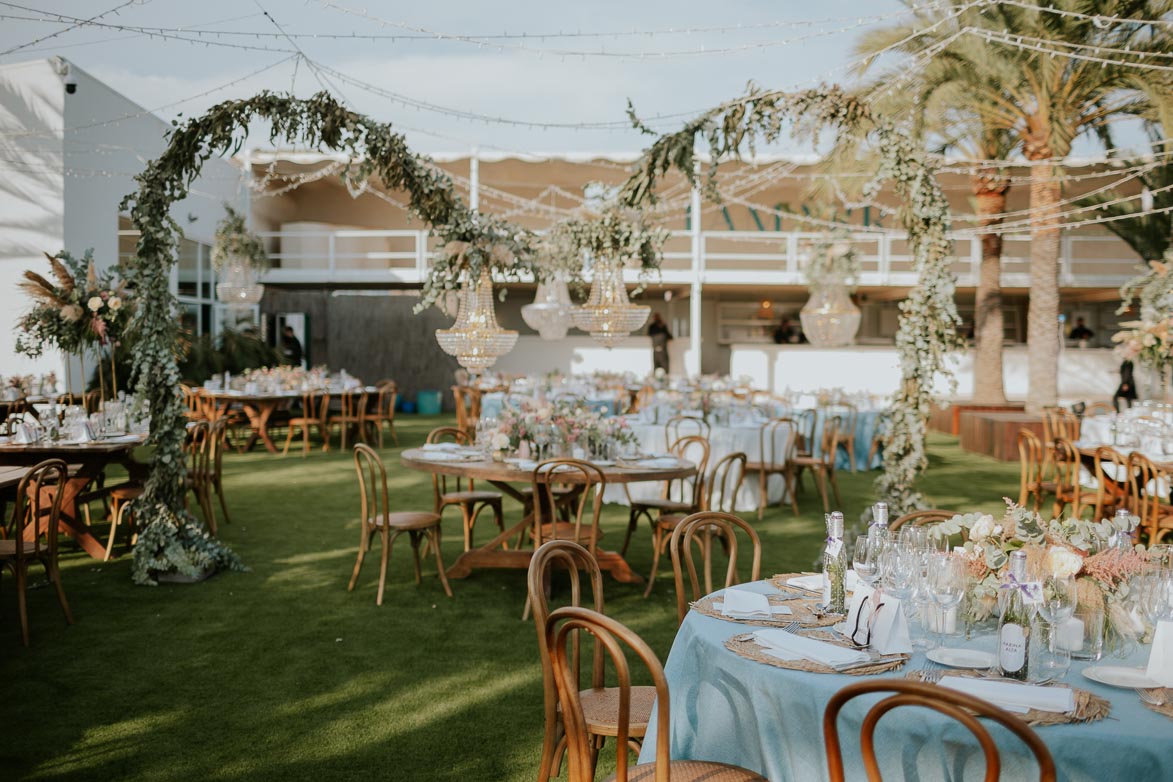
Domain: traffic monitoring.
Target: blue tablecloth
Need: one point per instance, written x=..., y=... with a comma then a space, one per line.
x=729, y=709
x=866, y=422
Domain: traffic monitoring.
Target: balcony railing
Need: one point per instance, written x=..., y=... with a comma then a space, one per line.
x=723, y=258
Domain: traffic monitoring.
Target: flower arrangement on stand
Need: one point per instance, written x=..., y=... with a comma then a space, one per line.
x=1150, y=339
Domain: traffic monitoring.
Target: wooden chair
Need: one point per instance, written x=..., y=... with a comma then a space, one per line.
x=600, y=703
x=701, y=528
x=121, y=515
x=681, y=495
x=684, y=425
x=468, y=408
x=35, y=517
x=1146, y=481
x=191, y=402
x=92, y=400
x=1099, y=408
x=1055, y=424
x=1112, y=491
x=353, y=413
x=1030, y=467
x=848, y=415
x=563, y=629
x=218, y=433
x=776, y=451
x=721, y=488
x=1066, y=458
x=384, y=410
x=315, y=412
x=822, y=464
x=448, y=490
x=377, y=518
x=200, y=468
x=925, y=518
x=966, y=709
x=583, y=526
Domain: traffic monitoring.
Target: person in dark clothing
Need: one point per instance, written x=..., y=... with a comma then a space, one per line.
x=1126, y=391
x=784, y=332
x=1081, y=331
x=290, y=347
x=658, y=331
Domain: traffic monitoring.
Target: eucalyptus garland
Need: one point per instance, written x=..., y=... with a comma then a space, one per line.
x=172, y=538
x=616, y=233
x=832, y=259
x=927, y=334
x=233, y=242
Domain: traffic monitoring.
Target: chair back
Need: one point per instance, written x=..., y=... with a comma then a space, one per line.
x=925, y=518
x=611, y=638
x=1067, y=463
x=354, y=405
x=582, y=475
x=217, y=444
x=201, y=450
x=701, y=528
x=1030, y=464
x=468, y=407
x=1145, y=482
x=191, y=401
x=776, y=442
x=316, y=405
x=388, y=396
x=964, y=708
x=442, y=484
x=1112, y=478
x=33, y=528
x=724, y=483
x=847, y=413
x=1060, y=422
x=692, y=448
x=372, y=484
x=828, y=443
x=92, y=401
x=683, y=425
x=1099, y=408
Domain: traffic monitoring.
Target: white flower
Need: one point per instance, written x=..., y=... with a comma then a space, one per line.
x=982, y=528
x=1063, y=562
x=500, y=441
x=114, y=303
x=95, y=303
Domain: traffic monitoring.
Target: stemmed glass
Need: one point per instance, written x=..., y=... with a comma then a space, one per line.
x=1056, y=606
x=541, y=437
x=866, y=559
x=948, y=579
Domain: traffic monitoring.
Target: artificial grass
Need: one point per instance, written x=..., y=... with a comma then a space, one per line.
x=280, y=673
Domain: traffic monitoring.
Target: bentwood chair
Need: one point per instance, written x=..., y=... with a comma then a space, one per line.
x=564, y=628
x=384, y=411
x=600, y=703
x=315, y=412
x=32, y=535
x=680, y=495
x=925, y=518
x=848, y=416
x=468, y=407
x=684, y=425
x=1030, y=470
x=1099, y=408
x=200, y=467
x=450, y=490
x=1068, y=491
x=964, y=708
x=219, y=444
x=1149, y=487
x=1111, y=471
x=352, y=413
x=377, y=518
x=721, y=489
x=701, y=528
x=822, y=464
x=1058, y=422
x=193, y=408
x=776, y=451
x=583, y=524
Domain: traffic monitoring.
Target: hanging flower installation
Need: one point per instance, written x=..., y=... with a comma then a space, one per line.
x=238, y=256
x=1149, y=340
x=830, y=318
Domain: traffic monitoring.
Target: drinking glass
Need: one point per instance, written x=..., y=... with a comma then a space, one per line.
x=948, y=580
x=866, y=559
x=1057, y=605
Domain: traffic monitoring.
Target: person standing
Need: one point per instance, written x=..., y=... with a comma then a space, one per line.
x=291, y=347
x=1126, y=391
x=658, y=331
x=784, y=333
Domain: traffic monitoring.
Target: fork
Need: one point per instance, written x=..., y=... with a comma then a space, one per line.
x=1151, y=697
x=932, y=672
x=792, y=627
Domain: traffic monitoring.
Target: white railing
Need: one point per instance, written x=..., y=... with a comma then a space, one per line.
x=724, y=257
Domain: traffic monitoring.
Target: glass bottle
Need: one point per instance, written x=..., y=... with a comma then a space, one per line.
x=1014, y=626
x=878, y=529
x=835, y=566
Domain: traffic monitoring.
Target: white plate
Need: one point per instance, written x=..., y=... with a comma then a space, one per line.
x=603, y=463
x=1119, y=676
x=961, y=658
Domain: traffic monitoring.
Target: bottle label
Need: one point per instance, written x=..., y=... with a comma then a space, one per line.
x=1012, y=648
x=834, y=546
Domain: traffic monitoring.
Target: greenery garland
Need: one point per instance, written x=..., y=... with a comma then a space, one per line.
x=1149, y=339
x=927, y=334
x=234, y=242
x=171, y=539
x=616, y=232
x=832, y=259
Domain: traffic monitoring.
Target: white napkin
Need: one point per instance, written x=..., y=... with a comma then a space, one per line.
x=1014, y=697
x=441, y=446
x=525, y=464
x=441, y=456
x=774, y=611
x=743, y=604
x=814, y=583
x=792, y=646
x=1160, y=668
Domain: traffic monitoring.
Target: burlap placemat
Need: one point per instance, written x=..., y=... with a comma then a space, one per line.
x=745, y=646
x=1088, y=707
x=1165, y=708
x=801, y=611
x=778, y=581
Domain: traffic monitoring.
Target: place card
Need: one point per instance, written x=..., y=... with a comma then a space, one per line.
x=877, y=620
x=1160, y=668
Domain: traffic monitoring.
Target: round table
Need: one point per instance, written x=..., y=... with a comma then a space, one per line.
x=502, y=475
x=726, y=708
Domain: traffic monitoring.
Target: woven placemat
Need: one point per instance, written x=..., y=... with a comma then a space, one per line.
x=802, y=611
x=1165, y=708
x=1088, y=707
x=745, y=646
x=778, y=581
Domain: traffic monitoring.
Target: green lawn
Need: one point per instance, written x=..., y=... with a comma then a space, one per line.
x=280, y=673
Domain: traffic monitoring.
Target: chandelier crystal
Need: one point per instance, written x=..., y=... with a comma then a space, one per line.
x=239, y=286
x=475, y=339
x=608, y=315
x=549, y=314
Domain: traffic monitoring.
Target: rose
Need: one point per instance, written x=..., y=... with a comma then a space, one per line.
x=982, y=528
x=95, y=303
x=71, y=313
x=500, y=441
x=114, y=303
x=1063, y=562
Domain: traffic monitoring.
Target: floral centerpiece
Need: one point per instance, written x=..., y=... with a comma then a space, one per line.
x=1149, y=339
x=568, y=423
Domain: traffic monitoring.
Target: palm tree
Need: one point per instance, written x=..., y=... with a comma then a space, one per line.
x=1149, y=235
x=1029, y=77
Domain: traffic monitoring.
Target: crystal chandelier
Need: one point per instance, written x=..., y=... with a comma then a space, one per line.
x=239, y=286
x=549, y=314
x=475, y=339
x=608, y=315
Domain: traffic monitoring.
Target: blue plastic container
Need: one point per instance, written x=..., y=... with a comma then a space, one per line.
x=429, y=402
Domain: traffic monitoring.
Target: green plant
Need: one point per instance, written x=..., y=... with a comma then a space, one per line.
x=233, y=242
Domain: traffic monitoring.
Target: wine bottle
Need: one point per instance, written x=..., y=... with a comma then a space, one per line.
x=1014, y=626
x=835, y=566
x=878, y=530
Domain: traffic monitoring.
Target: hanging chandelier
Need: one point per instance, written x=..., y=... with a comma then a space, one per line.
x=608, y=315
x=475, y=339
x=239, y=286
x=549, y=314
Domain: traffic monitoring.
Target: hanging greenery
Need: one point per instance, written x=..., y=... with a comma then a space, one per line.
x=171, y=539
x=928, y=317
x=832, y=258
x=234, y=243
x=470, y=242
x=616, y=233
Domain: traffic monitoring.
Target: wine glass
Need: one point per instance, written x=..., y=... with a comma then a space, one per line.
x=1056, y=605
x=866, y=559
x=948, y=579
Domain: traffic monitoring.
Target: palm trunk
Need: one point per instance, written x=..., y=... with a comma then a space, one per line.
x=1042, y=329
x=990, y=188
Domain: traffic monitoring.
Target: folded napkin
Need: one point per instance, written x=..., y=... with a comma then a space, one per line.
x=742, y=604
x=814, y=583
x=524, y=464
x=1014, y=697
x=441, y=456
x=792, y=646
x=441, y=446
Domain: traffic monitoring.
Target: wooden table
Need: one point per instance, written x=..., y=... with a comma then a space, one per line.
x=86, y=463
x=501, y=475
x=10, y=477
x=259, y=408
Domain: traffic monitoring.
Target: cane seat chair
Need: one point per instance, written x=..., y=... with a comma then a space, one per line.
x=352, y=414
x=315, y=412
x=376, y=518
x=1068, y=491
x=1030, y=465
x=448, y=491
x=963, y=708
x=564, y=627
x=384, y=410
x=1149, y=486
x=1112, y=482
x=822, y=464
x=776, y=452
x=722, y=485
x=600, y=703
x=680, y=495
x=848, y=415
x=582, y=527
x=684, y=425
x=701, y=528
x=32, y=535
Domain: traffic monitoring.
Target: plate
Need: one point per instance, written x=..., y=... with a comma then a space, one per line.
x=961, y=658
x=1119, y=676
x=603, y=463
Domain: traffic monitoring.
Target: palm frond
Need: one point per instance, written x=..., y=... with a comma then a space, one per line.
x=40, y=289
x=61, y=274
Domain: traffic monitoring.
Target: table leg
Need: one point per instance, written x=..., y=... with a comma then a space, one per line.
x=68, y=521
x=258, y=419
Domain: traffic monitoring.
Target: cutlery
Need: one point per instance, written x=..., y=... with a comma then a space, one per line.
x=1151, y=697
